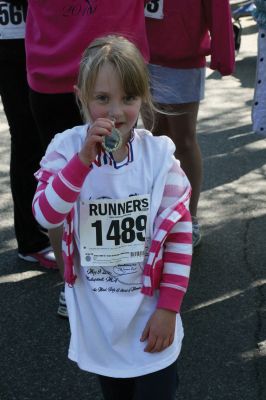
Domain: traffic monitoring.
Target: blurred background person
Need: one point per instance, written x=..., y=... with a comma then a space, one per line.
x=259, y=102
x=181, y=34
x=33, y=242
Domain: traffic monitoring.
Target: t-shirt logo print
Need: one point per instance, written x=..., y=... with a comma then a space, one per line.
x=92, y=4
x=80, y=8
x=126, y=274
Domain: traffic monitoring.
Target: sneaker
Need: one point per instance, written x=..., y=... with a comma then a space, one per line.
x=196, y=236
x=62, y=307
x=45, y=258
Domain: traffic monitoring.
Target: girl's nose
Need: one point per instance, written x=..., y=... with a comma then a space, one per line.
x=115, y=111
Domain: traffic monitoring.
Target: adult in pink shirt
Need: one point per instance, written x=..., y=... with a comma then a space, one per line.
x=56, y=35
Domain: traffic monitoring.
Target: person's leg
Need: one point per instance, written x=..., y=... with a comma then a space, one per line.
x=178, y=92
x=181, y=128
x=159, y=385
x=117, y=388
x=26, y=150
x=55, y=113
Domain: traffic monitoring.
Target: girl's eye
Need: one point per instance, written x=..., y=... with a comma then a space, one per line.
x=102, y=98
x=130, y=98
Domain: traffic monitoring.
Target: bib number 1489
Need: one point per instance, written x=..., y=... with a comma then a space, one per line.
x=126, y=230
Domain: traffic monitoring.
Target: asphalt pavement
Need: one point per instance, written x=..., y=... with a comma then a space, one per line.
x=224, y=349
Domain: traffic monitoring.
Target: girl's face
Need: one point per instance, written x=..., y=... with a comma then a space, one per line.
x=109, y=100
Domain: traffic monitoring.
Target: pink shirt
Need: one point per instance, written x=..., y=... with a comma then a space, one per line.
x=189, y=31
x=58, y=32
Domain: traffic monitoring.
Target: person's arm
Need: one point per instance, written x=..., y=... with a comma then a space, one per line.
x=219, y=20
x=177, y=260
x=58, y=191
x=55, y=195
x=159, y=330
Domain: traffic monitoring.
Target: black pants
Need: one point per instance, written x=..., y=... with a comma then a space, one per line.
x=54, y=113
x=160, y=385
x=26, y=150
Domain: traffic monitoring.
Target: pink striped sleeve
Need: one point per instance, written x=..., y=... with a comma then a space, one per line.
x=55, y=197
x=177, y=260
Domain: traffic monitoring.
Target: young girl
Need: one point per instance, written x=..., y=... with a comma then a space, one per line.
x=127, y=229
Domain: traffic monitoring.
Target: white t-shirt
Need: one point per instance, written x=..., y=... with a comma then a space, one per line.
x=107, y=311
x=12, y=21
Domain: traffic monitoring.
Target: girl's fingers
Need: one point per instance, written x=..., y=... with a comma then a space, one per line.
x=171, y=339
x=158, y=345
x=145, y=333
x=95, y=135
x=99, y=131
x=101, y=125
x=97, y=138
x=151, y=343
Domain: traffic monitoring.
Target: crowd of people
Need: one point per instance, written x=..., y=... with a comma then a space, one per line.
x=114, y=204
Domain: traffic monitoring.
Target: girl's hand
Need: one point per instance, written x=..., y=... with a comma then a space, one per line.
x=92, y=146
x=159, y=330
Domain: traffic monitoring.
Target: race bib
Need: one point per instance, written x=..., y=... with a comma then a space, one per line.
x=12, y=21
x=154, y=9
x=113, y=232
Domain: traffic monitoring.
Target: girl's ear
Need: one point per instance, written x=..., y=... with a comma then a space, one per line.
x=77, y=91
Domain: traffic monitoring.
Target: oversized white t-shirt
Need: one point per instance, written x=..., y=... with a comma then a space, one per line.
x=107, y=311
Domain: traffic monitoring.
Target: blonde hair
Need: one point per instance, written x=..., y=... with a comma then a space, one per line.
x=127, y=61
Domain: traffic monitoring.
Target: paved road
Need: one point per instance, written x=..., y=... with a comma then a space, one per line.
x=224, y=352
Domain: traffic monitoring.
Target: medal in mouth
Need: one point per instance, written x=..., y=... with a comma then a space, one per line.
x=112, y=142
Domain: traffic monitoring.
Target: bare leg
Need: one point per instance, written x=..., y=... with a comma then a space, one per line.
x=182, y=130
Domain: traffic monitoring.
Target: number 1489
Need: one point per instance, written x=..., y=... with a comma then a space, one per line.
x=126, y=230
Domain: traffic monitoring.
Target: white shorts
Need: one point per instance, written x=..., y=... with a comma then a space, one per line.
x=176, y=86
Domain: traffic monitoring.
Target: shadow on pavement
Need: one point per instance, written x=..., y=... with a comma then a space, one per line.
x=34, y=341
x=224, y=316
x=219, y=314
x=232, y=153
